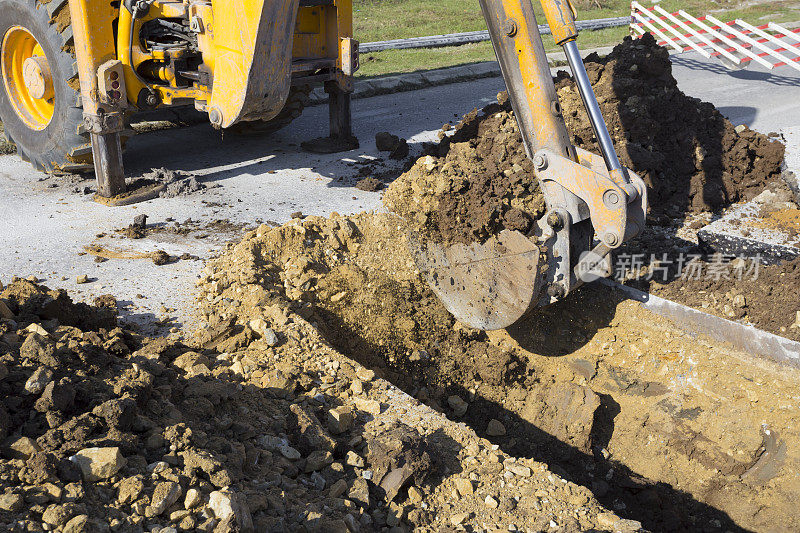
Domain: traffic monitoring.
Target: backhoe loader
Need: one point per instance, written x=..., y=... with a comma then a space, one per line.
x=75, y=71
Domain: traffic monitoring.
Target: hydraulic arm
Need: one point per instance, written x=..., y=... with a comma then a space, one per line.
x=593, y=203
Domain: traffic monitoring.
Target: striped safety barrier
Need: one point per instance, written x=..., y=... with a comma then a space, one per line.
x=736, y=43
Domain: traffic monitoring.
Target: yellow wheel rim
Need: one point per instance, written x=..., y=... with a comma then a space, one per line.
x=27, y=79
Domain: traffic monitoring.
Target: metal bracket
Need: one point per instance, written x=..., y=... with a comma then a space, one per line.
x=103, y=123
x=616, y=209
x=111, y=84
x=349, y=55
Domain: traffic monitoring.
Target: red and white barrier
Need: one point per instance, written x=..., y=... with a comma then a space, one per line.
x=735, y=43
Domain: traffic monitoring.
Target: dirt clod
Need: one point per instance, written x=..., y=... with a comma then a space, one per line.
x=369, y=184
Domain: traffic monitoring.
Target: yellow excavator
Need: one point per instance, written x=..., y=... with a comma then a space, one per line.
x=75, y=72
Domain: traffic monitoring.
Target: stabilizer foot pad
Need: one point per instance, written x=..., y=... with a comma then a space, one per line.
x=330, y=145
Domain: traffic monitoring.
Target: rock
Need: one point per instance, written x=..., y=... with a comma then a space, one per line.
x=193, y=498
x=270, y=337
x=5, y=312
x=372, y=407
x=428, y=163
x=58, y=515
x=491, y=502
x=118, y=413
x=36, y=328
x=3, y=372
x=517, y=469
x=337, y=489
x=40, y=349
x=78, y=524
x=310, y=433
x=317, y=460
x=11, y=502
x=230, y=506
x=385, y=141
x=458, y=405
x=58, y=396
x=129, y=489
x=83, y=278
x=23, y=448
x=262, y=329
x=38, y=380
x=166, y=493
x=359, y=492
x=398, y=455
x=140, y=221
x=353, y=459
x=365, y=374
x=289, y=452
x=188, y=360
x=460, y=518
x=612, y=522
x=340, y=419
x=414, y=495
x=495, y=428
x=464, y=487
x=98, y=463
x=279, y=385
x=400, y=150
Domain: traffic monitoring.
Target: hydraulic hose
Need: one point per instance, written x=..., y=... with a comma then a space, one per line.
x=125, y=36
x=607, y=149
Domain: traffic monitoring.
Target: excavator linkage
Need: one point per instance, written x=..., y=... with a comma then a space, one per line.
x=594, y=204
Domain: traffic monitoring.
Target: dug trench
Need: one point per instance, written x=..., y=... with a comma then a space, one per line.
x=676, y=432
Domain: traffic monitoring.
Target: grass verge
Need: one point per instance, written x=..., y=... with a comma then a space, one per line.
x=378, y=20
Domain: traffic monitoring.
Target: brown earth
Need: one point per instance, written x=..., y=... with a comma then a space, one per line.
x=478, y=180
x=473, y=184
x=689, y=155
x=664, y=428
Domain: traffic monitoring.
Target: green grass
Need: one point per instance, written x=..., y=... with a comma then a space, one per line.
x=378, y=20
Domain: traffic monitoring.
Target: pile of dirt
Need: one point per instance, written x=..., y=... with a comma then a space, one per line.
x=630, y=409
x=478, y=180
x=254, y=427
x=689, y=155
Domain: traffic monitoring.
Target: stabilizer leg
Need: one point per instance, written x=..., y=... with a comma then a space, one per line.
x=108, y=169
x=341, y=137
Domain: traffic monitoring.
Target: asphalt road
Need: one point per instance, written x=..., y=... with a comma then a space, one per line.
x=45, y=225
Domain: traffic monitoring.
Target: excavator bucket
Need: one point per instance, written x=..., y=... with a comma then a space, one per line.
x=485, y=286
x=593, y=203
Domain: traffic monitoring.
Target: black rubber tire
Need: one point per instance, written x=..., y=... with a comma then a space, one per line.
x=297, y=100
x=63, y=145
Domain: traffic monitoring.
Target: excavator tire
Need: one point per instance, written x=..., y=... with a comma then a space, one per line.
x=45, y=119
x=297, y=100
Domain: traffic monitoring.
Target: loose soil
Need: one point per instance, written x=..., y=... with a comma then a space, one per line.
x=733, y=288
x=690, y=156
x=478, y=180
x=263, y=427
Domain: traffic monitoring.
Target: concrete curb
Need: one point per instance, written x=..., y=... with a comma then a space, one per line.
x=412, y=81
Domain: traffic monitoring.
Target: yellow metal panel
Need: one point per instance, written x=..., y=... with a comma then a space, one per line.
x=309, y=20
x=252, y=71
